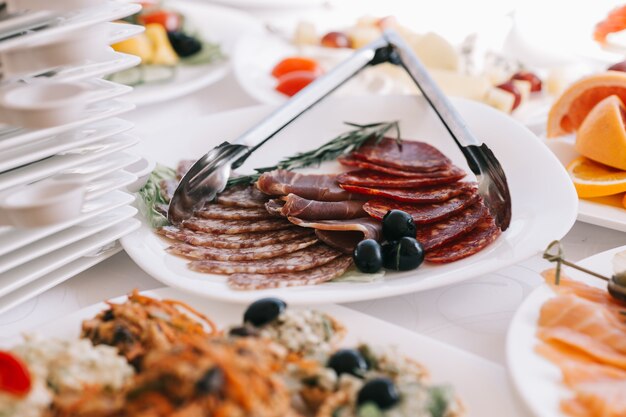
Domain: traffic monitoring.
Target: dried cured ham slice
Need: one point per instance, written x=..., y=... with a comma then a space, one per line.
x=302, y=208
x=438, y=234
x=313, y=187
x=307, y=258
x=242, y=240
x=232, y=227
x=435, y=194
x=367, y=178
x=483, y=234
x=324, y=273
x=409, y=155
x=343, y=235
x=421, y=213
x=244, y=196
x=243, y=254
x=274, y=207
x=351, y=161
x=221, y=212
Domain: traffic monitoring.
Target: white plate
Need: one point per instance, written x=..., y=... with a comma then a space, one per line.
x=544, y=200
x=214, y=24
x=606, y=211
x=112, y=62
x=269, y=4
x=537, y=380
x=492, y=397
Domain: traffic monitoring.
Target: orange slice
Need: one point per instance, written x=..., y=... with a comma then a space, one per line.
x=569, y=111
x=592, y=179
x=602, y=135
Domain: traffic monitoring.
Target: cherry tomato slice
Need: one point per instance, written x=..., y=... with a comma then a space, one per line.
x=296, y=63
x=289, y=84
x=169, y=20
x=14, y=375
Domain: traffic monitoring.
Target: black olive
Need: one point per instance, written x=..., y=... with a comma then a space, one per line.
x=348, y=361
x=380, y=391
x=368, y=256
x=108, y=315
x=264, y=311
x=398, y=224
x=184, y=45
x=617, y=289
x=122, y=335
x=243, y=331
x=403, y=255
x=211, y=382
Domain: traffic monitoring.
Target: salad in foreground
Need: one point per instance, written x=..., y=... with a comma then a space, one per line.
x=402, y=204
x=148, y=357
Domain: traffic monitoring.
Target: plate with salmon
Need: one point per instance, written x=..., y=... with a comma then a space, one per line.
x=355, y=200
x=566, y=347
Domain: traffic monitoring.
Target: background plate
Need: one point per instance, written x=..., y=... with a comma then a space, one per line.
x=544, y=200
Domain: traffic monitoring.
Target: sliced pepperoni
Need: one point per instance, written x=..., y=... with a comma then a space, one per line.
x=243, y=254
x=324, y=273
x=351, y=161
x=438, y=234
x=485, y=233
x=244, y=196
x=221, y=212
x=367, y=178
x=307, y=258
x=409, y=155
x=433, y=194
x=422, y=213
x=242, y=240
x=233, y=227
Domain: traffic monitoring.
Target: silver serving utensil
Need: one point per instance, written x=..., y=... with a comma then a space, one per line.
x=208, y=176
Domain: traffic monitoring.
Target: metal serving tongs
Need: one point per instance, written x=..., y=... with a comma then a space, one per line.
x=209, y=174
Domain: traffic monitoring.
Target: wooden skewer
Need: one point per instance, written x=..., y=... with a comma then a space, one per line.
x=559, y=259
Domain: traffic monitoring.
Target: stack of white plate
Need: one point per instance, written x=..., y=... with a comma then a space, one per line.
x=66, y=181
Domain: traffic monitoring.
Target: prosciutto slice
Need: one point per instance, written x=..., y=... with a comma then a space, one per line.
x=409, y=155
x=313, y=187
x=343, y=235
x=302, y=208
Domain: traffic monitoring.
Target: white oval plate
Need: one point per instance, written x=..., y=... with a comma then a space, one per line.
x=536, y=379
x=544, y=200
x=605, y=211
x=268, y=4
x=446, y=364
x=216, y=24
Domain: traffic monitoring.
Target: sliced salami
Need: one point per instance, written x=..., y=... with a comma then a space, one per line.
x=243, y=254
x=221, y=212
x=351, y=161
x=307, y=258
x=485, y=233
x=409, y=155
x=422, y=213
x=233, y=227
x=367, y=178
x=433, y=194
x=242, y=240
x=438, y=234
x=244, y=196
x=324, y=273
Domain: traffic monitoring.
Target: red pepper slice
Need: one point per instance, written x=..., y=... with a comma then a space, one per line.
x=14, y=375
x=292, y=82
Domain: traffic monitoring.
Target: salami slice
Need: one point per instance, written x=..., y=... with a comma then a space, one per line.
x=242, y=240
x=485, y=233
x=367, y=178
x=351, y=161
x=324, y=273
x=422, y=213
x=409, y=155
x=220, y=212
x=433, y=194
x=442, y=232
x=233, y=227
x=243, y=254
x=244, y=196
x=307, y=258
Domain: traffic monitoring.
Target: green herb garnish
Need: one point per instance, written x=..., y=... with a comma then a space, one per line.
x=439, y=401
x=152, y=198
x=342, y=144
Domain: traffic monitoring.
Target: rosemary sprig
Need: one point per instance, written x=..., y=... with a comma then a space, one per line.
x=342, y=144
x=151, y=197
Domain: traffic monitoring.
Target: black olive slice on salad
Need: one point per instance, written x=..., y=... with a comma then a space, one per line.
x=264, y=311
x=211, y=382
x=380, y=392
x=348, y=361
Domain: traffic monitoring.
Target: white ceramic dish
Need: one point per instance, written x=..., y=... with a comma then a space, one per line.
x=217, y=24
x=445, y=363
x=544, y=200
x=606, y=212
x=110, y=63
x=29, y=272
x=536, y=379
x=268, y=4
x=107, y=183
